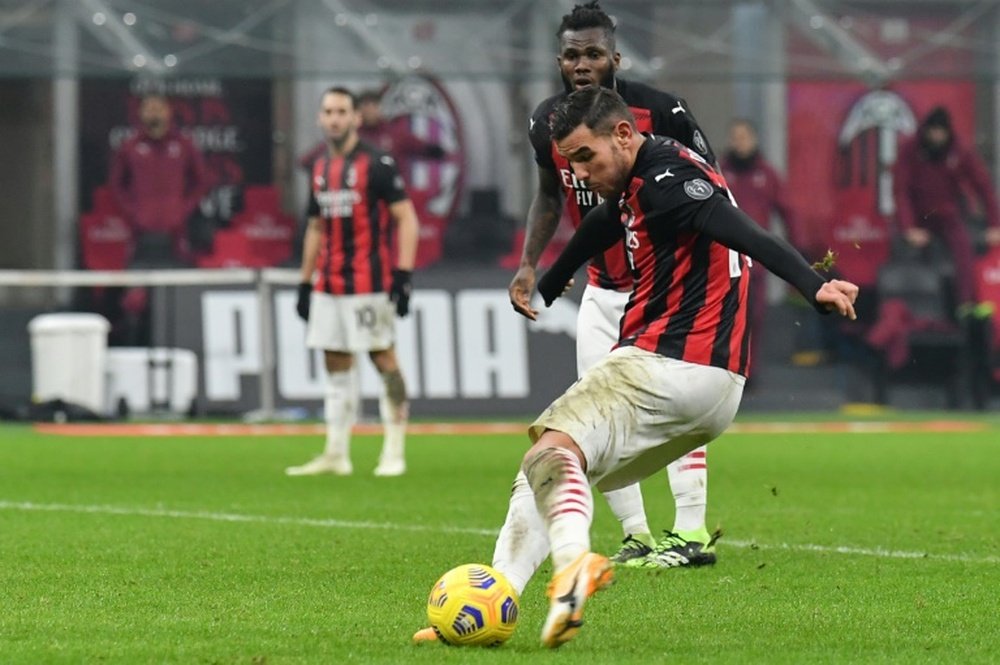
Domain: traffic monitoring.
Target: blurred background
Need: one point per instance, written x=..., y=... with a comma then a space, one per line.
x=831, y=92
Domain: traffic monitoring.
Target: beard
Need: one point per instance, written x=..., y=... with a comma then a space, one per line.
x=607, y=81
x=153, y=125
x=741, y=164
x=936, y=152
x=337, y=142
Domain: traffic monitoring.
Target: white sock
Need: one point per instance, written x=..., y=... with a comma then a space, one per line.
x=523, y=543
x=626, y=504
x=339, y=411
x=394, y=409
x=564, y=501
x=689, y=483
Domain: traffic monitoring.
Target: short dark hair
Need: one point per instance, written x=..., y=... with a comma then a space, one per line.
x=341, y=90
x=370, y=95
x=938, y=117
x=586, y=16
x=596, y=107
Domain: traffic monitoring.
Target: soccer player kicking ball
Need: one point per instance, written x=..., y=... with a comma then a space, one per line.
x=675, y=379
x=588, y=56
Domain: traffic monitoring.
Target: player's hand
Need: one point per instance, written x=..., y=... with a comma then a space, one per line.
x=302, y=306
x=993, y=236
x=838, y=295
x=520, y=290
x=917, y=237
x=400, y=290
x=550, y=288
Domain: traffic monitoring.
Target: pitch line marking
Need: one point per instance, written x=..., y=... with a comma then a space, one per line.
x=29, y=506
x=105, y=430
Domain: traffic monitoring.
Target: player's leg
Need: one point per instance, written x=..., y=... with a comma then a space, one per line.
x=340, y=397
x=555, y=471
x=376, y=333
x=523, y=543
x=689, y=543
x=327, y=329
x=394, y=410
x=579, y=438
x=597, y=332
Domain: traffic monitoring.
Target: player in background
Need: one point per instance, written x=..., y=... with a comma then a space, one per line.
x=587, y=56
x=351, y=290
x=761, y=192
x=933, y=179
x=675, y=378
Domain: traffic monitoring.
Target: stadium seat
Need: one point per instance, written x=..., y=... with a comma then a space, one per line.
x=269, y=234
x=916, y=337
x=261, y=197
x=984, y=334
x=259, y=236
x=106, y=241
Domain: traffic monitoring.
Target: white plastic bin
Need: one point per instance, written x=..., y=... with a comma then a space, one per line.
x=152, y=379
x=68, y=358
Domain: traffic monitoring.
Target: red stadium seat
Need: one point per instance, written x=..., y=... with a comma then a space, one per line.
x=988, y=285
x=269, y=235
x=106, y=241
x=261, y=197
x=253, y=241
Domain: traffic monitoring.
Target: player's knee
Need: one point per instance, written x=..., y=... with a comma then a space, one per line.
x=550, y=446
x=337, y=361
x=384, y=360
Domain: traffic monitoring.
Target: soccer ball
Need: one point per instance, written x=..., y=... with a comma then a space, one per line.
x=473, y=605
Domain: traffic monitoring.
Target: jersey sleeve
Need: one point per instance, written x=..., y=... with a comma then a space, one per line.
x=729, y=225
x=541, y=137
x=672, y=196
x=673, y=117
x=387, y=183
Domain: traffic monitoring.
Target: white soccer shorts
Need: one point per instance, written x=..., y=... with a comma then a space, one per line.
x=351, y=323
x=597, y=325
x=635, y=412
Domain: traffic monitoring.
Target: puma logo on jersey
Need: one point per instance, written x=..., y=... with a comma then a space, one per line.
x=665, y=174
x=677, y=109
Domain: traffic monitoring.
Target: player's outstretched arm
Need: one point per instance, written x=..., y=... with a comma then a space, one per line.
x=734, y=229
x=543, y=218
x=599, y=231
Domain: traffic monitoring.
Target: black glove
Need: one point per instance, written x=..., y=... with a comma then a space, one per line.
x=551, y=286
x=302, y=306
x=400, y=290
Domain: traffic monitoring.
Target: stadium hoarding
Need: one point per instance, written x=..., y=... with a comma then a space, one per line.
x=464, y=351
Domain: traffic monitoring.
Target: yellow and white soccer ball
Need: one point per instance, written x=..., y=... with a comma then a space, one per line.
x=473, y=605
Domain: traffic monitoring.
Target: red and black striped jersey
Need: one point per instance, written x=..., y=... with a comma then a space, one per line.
x=690, y=295
x=656, y=112
x=351, y=194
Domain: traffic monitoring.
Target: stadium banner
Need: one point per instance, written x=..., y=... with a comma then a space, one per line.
x=463, y=350
x=843, y=139
x=228, y=119
x=844, y=133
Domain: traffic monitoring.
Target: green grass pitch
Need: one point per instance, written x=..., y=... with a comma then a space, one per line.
x=838, y=547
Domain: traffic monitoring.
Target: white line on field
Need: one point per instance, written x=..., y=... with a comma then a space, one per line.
x=28, y=506
x=235, y=517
